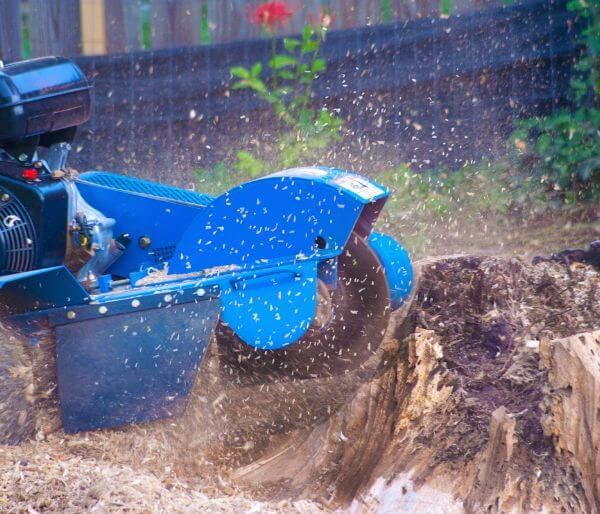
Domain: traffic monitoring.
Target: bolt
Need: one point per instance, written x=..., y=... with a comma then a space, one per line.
x=144, y=242
x=135, y=303
x=71, y=315
x=5, y=197
x=102, y=310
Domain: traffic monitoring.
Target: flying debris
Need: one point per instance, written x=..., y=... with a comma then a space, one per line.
x=129, y=279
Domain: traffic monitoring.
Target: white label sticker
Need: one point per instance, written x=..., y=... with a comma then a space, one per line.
x=301, y=172
x=359, y=186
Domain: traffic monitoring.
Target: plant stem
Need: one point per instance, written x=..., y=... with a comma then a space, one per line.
x=308, y=91
x=273, y=54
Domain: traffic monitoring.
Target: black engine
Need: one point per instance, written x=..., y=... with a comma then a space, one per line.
x=39, y=114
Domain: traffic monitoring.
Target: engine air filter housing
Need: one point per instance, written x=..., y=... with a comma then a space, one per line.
x=41, y=97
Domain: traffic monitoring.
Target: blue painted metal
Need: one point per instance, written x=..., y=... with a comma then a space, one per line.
x=278, y=216
x=40, y=289
x=397, y=265
x=145, y=188
x=273, y=307
x=138, y=213
x=130, y=300
x=136, y=367
x=104, y=282
x=129, y=346
x=252, y=256
x=257, y=226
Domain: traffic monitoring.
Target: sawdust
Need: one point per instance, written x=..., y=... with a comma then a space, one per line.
x=48, y=479
x=461, y=403
x=16, y=388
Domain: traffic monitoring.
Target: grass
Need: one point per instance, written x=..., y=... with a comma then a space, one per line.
x=490, y=207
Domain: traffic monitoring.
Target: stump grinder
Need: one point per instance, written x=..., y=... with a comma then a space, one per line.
x=132, y=278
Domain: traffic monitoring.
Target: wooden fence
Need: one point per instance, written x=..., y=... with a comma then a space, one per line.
x=32, y=28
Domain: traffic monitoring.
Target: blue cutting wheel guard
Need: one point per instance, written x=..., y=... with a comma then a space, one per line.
x=129, y=351
x=397, y=265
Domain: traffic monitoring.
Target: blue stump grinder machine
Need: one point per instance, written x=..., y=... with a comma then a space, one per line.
x=133, y=278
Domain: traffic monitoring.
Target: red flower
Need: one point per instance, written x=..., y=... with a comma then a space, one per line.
x=271, y=13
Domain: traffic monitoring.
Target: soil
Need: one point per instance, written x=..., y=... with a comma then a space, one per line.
x=485, y=398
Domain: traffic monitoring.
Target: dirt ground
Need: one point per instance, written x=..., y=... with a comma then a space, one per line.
x=485, y=398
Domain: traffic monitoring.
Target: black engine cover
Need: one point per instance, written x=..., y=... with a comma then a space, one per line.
x=33, y=221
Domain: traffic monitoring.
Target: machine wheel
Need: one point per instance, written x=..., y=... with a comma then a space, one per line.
x=349, y=326
x=17, y=415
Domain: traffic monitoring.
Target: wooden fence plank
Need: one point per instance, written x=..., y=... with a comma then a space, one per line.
x=123, y=25
x=10, y=30
x=175, y=23
x=230, y=21
x=55, y=27
x=93, y=30
x=369, y=12
x=347, y=14
x=160, y=23
x=404, y=9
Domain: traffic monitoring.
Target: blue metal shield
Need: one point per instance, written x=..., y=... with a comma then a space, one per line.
x=132, y=367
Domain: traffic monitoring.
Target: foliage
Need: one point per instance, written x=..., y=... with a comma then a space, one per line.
x=477, y=206
x=479, y=189
x=302, y=132
x=566, y=145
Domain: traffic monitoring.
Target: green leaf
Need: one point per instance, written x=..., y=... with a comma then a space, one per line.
x=319, y=65
x=307, y=33
x=281, y=61
x=310, y=46
x=239, y=72
x=256, y=69
x=285, y=74
x=251, y=83
x=257, y=85
x=290, y=44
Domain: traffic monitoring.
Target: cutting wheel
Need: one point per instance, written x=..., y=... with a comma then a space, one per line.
x=348, y=328
x=17, y=420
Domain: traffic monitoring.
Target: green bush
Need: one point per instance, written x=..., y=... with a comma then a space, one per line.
x=478, y=189
x=303, y=133
x=563, y=150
